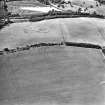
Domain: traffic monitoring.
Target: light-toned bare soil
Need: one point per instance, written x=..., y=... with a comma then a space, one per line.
x=86, y=30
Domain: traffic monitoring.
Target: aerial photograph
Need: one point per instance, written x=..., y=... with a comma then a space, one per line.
x=52, y=52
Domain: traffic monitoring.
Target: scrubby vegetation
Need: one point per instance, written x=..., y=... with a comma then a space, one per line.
x=28, y=47
x=47, y=1
x=36, y=45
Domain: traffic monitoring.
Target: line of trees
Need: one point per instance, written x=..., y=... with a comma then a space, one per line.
x=101, y=1
x=47, y=1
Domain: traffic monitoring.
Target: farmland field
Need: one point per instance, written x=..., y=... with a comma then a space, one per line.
x=55, y=75
x=86, y=30
x=52, y=75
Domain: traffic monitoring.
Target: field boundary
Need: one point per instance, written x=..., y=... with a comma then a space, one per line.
x=37, y=45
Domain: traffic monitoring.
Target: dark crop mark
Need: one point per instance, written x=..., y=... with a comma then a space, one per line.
x=74, y=44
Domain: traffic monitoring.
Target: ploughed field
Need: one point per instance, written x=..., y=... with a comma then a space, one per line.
x=53, y=75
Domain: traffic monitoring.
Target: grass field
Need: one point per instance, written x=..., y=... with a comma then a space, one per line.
x=53, y=76
x=14, y=7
